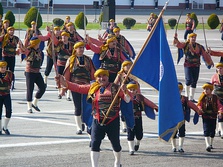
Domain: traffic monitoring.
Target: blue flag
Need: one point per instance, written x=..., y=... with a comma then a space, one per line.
x=155, y=66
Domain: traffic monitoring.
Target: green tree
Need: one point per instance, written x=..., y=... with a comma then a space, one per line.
x=79, y=20
x=129, y=22
x=11, y=17
x=194, y=16
x=172, y=22
x=33, y=15
x=58, y=22
x=213, y=21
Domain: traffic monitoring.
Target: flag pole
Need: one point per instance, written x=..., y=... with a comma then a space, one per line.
x=137, y=57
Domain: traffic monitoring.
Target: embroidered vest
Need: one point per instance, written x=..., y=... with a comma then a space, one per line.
x=35, y=58
x=64, y=53
x=102, y=102
x=5, y=83
x=10, y=47
x=209, y=107
x=190, y=57
x=81, y=73
x=112, y=64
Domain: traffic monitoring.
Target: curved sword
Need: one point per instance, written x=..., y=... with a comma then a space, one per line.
x=178, y=21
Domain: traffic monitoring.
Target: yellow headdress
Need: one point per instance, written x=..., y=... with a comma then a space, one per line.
x=111, y=20
x=95, y=86
x=6, y=37
x=79, y=44
x=70, y=24
x=191, y=35
x=180, y=86
x=3, y=63
x=34, y=41
x=33, y=22
x=10, y=28
x=56, y=28
x=116, y=29
x=73, y=56
x=6, y=21
x=132, y=85
x=109, y=40
x=125, y=63
x=65, y=34
x=220, y=64
x=101, y=71
x=208, y=85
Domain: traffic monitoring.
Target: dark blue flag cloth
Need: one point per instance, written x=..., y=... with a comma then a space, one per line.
x=155, y=66
x=87, y=116
x=196, y=118
x=150, y=112
x=96, y=61
x=180, y=55
x=127, y=112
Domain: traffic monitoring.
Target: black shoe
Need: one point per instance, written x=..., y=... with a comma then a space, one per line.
x=181, y=150
x=124, y=130
x=59, y=97
x=131, y=152
x=6, y=131
x=82, y=127
x=194, y=101
x=208, y=149
x=219, y=133
x=79, y=132
x=211, y=147
x=45, y=85
x=221, y=137
x=36, y=108
x=68, y=99
x=136, y=148
x=174, y=150
x=30, y=111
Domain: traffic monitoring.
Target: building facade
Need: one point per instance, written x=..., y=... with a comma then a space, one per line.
x=120, y=4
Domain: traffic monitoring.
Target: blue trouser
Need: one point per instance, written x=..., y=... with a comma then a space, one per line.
x=98, y=133
x=49, y=65
x=77, y=97
x=191, y=76
x=209, y=126
x=10, y=62
x=181, y=132
x=137, y=130
x=186, y=33
x=6, y=100
x=36, y=78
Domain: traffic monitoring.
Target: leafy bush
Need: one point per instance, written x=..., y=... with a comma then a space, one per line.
x=1, y=10
x=79, y=20
x=129, y=22
x=213, y=21
x=58, y=22
x=172, y=22
x=194, y=16
x=31, y=15
x=11, y=17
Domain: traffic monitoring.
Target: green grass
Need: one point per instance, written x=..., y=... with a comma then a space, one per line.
x=95, y=26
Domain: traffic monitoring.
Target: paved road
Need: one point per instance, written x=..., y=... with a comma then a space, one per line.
x=48, y=139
